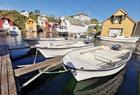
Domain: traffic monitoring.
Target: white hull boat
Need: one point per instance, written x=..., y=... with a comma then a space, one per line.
x=14, y=30
x=121, y=39
x=95, y=62
x=58, y=48
x=44, y=39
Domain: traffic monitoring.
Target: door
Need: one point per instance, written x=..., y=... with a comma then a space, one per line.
x=115, y=32
x=6, y=24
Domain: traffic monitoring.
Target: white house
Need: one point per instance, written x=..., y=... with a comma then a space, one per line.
x=42, y=20
x=71, y=25
x=25, y=13
x=82, y=16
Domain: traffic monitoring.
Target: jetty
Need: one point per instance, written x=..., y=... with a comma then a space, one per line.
x=139, y=83
x=7, y=78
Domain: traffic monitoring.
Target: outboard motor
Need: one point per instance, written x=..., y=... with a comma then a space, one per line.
x=65, y=35
x=116, y=47
x=86, y=41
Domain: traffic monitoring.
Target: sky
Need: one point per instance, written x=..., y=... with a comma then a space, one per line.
x=100, y=9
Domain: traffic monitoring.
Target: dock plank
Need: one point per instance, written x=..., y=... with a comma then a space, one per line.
x=4, y=82
x=0, y=66
x=48, y=63
x=11, y=79
x=7, y=79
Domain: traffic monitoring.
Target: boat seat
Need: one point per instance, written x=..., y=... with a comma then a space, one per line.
x=107, y=58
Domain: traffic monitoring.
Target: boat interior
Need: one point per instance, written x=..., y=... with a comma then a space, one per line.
x=95, y=59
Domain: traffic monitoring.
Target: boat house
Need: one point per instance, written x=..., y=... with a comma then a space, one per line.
x=5, y=23
x=119, y=24
x=42, y=21
x=30, y=25
x=31, y=28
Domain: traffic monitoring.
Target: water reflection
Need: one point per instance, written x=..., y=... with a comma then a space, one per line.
x=14, y=41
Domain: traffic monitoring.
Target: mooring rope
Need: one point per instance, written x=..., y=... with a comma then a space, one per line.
x=35, y=56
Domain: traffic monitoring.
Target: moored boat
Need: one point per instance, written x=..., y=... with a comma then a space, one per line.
x=121, y=39
x=57, y=48
x=14, y=30
x=94, y=62
x=43, y=39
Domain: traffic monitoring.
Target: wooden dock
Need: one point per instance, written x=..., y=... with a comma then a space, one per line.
x=7, y=78
x=138, y=83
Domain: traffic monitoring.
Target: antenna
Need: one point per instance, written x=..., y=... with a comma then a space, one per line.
x=90, y=11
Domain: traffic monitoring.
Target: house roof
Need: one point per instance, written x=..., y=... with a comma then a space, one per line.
x=5, y=17
x=30, y=19
x=137, y=29
x=80, y=14
x=42, y=18
x=74, y=21
x=123, y=11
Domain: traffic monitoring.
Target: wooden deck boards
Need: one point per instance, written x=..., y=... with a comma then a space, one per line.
x=7, y=79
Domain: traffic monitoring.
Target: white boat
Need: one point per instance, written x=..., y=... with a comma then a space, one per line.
x=14, y=30
x=43, y=39
x=57, y=48
x=121, y=39
x=87, y=63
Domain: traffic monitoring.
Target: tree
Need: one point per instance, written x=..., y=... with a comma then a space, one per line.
x=37, y=12
x=94, y=21
x=51, y=19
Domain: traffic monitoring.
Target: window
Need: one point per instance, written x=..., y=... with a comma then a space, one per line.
x=117, y=19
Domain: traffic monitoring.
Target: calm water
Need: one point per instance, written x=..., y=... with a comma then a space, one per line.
x=125, y=82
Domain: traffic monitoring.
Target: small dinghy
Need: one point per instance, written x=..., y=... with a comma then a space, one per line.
x=121, y=39
x=94, y=62
x=57, y=48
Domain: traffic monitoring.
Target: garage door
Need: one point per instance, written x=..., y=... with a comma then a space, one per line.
x=115, y=32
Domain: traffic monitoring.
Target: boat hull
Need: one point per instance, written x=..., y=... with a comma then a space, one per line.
x=83, y=75
x=123, y=40
x=15, y=32
x=83, y=65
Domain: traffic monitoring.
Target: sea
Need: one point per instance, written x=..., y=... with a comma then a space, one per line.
x=125, y=82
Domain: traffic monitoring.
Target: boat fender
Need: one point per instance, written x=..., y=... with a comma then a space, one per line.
x=116, y=47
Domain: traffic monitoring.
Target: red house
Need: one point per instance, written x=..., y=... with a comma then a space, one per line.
x=5, y=23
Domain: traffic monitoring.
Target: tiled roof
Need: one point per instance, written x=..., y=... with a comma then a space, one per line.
x=80, y=14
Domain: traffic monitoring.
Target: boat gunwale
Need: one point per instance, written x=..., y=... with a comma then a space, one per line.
x=119, y=64
x=62, y=48
x=129, y=40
